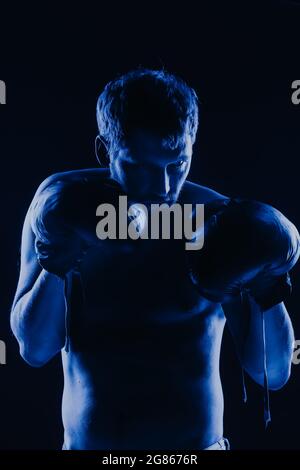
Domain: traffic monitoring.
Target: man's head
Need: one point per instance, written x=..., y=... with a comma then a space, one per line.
x=148, y=121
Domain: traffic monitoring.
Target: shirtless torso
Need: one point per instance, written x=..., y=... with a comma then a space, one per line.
x=143, y=366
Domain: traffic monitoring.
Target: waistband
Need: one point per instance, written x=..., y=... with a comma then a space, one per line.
x=222, y=444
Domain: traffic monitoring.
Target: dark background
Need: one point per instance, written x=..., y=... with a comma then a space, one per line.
x=241, y=60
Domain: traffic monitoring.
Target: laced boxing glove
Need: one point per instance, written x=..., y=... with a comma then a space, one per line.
x=63, y=219
x=248, y=246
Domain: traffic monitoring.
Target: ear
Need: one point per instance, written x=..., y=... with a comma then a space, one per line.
x=101, y=152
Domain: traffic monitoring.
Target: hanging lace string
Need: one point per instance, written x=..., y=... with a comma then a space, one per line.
x=267, y=411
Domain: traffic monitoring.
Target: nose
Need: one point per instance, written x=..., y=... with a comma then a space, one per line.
x=161, y=183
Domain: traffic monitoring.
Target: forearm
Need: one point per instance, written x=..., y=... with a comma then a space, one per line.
x=38, y=321
x=244, y=319
x=279, y=339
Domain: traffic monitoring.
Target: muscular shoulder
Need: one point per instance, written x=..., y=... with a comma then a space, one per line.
x=195, y=193
x=87, y=174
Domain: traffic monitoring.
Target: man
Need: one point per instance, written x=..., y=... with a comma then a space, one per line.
x=140, y=332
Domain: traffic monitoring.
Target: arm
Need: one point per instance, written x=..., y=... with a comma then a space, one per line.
x=245, y=324
x=249, y=248
x=38, y=310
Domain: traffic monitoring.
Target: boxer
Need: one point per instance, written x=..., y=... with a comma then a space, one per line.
x=139, y=323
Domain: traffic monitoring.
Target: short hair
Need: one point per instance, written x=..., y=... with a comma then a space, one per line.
x=154, y=100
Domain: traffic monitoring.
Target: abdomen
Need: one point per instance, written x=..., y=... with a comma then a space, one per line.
x=149, y=388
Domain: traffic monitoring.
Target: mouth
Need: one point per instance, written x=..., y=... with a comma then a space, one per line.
x=154, y=200
x=151, y=199
x=153, y=203
x=158, y=201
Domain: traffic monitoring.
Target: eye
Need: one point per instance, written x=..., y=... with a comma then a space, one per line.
x=179, y=164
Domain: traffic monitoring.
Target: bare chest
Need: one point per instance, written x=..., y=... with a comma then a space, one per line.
x=136, y=294
x=143, y=282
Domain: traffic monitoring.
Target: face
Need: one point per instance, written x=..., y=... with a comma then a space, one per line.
x=150, y=172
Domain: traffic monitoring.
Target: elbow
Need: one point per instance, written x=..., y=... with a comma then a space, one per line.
x=280, y=379
x=32, y=361
x=29, y=354
x=277, y=379
x=34, y=358
x=33, y=351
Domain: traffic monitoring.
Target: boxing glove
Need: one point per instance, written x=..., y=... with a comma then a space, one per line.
x=63, y=219
x=248, y=245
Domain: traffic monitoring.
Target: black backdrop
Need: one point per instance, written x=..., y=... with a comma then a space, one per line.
x=241, y=61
